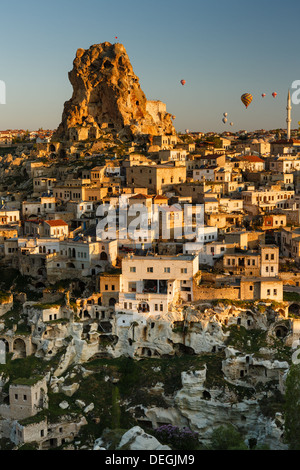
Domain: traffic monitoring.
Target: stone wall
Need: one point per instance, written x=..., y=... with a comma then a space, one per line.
x=212, y=293
x=31, y=433
x=290, y=278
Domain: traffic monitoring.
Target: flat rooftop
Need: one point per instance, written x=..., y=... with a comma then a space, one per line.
x=179, y=257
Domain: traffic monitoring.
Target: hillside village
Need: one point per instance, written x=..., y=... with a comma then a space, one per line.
x=192, y=322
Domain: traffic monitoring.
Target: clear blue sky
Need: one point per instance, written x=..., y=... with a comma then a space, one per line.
x=221, y=48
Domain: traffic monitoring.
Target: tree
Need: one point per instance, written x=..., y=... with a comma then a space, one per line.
x=116, y=411
x=292, y=408
x=227, y=438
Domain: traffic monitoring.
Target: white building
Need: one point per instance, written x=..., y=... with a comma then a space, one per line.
x=231, y=205
x=172, y=155
x=150, y=283
x=80, y=208
x=209, y=253
x=56, y=228
x=9, y=216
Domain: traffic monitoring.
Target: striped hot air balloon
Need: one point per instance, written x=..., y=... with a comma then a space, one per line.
x=246, y=99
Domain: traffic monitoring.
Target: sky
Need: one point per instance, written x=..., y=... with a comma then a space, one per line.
x=221, y=48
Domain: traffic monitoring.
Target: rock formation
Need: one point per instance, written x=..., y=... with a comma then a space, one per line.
x=107, y=95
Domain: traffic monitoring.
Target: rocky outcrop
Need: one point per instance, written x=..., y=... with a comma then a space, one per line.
x=107, y=95
x=134, y=439
x=204, y=409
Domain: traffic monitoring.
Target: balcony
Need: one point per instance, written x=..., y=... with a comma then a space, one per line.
x=155, y=286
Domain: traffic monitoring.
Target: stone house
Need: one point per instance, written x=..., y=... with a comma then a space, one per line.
x=9, y=216
x=212, y=159
x=150, y=283
x=273, y=221
x=165, y=141
x=26, y=398
x=157, y=178
x=109, y=285
x=264, y=262
x=56, y=228
x=172, y=155
x=265, y=200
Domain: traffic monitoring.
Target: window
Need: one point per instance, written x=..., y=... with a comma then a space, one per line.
x=25, y=397
x=161, y=307
x=268, y=291
x=275, y=292
x=156, y=307
x=150, y=270
x=251, y=287
x=132, y=286
x=183, y=270
x=132, y=269
x=16, y=396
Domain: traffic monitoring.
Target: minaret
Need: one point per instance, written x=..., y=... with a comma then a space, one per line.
x=288, y=116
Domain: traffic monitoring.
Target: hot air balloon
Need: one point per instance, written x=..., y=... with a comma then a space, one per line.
x=173, y=117
x=263, y=95
x=183, y=82
x=224, y=120
x=187, y=131
x=225, y=114
x=274, y=94
x=246, y=99
x=231, y=123
x=298, y=123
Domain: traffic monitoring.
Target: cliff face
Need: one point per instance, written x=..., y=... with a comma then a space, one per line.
x=107, y=95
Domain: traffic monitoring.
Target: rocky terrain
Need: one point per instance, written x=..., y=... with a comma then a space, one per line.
x=199, y=367
x=107, y=94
